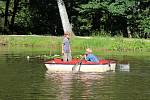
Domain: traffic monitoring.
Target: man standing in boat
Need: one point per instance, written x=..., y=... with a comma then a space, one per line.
x=66, y=50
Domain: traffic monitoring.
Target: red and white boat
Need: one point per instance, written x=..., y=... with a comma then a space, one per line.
x=57, y=65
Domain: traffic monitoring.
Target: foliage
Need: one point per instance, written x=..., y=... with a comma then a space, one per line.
x=2, y=14
x=23, y=21
x=144, y=23
x=127, y=18
x=121, y=6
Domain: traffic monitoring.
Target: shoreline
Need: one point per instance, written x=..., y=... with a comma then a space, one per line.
x=77, y=43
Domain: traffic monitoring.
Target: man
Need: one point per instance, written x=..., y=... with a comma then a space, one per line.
x=90, y=57
x=66, y=50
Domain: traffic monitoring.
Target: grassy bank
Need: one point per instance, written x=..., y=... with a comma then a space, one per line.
x=78, y=44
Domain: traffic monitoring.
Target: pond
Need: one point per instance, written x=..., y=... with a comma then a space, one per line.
x=22, y=78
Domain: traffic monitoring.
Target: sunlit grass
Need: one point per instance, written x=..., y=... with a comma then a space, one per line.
x=99, y=45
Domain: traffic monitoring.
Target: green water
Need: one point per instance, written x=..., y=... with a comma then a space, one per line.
x=28, y=79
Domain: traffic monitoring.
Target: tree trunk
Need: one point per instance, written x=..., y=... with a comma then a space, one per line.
x=6, y=15
x=64, y=18
x=127, y=28
x=14, y=14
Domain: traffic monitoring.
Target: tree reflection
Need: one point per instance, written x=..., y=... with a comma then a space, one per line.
x=73, y=85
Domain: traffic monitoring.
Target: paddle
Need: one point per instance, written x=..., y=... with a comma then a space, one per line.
x=78, y=63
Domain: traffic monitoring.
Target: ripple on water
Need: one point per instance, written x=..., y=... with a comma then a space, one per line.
x=22, y=79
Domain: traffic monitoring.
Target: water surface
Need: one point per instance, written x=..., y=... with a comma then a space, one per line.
x=28, y=79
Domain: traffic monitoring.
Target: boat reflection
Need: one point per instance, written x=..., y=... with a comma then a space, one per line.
x=73, y=85
x=124, y=67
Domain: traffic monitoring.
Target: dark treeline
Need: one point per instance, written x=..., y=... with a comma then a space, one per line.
x=127, y=18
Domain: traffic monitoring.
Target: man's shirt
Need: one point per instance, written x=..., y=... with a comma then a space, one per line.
x=92, y=58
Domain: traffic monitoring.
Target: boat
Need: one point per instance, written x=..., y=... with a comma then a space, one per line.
x=58, y=65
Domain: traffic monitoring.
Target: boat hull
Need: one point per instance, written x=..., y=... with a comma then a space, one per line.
x=83, y=68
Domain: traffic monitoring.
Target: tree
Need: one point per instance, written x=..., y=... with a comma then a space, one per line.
x=64, y=18
x=22, y=22
x=2, y=15
x=6, y=15
x=109, y=15
x=16, y=3
x=128, y=18
x=95, y=11
x=143, y=18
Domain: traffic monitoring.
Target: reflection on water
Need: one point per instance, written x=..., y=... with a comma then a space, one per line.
x=124, y=67
x=67, y=82
x=23, y=79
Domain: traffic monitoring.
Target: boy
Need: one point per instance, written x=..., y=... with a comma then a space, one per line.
x=66, y=50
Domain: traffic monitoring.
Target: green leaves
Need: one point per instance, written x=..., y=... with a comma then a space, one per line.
x=94, y=6
x=145, y=24
x=88, y=17
x=121, y=6
x=2, y=7
x=144, y=20
x=23, y=17
x=117, y=9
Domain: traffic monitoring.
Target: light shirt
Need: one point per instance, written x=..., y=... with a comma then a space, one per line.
x=66, y=45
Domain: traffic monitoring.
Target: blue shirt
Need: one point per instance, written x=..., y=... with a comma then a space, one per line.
x=66, y=45
x=92, y=58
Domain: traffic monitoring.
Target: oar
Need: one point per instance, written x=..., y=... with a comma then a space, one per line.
x=78, y=63
x=80, y=66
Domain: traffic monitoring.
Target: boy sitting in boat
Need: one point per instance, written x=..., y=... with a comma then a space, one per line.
x=90, y=57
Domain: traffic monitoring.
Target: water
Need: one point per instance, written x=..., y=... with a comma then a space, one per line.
x=28, y=79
